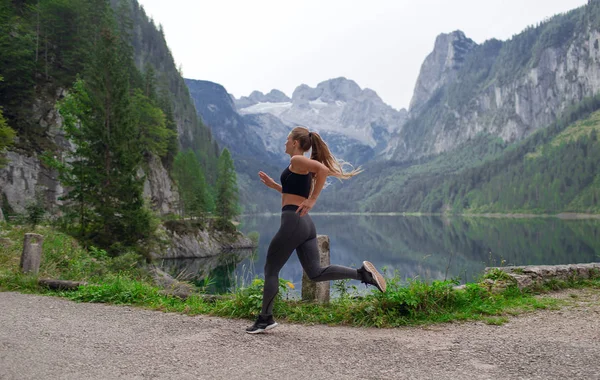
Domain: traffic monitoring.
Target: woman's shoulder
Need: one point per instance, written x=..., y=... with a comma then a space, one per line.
x=298, y=159
x=300, y=164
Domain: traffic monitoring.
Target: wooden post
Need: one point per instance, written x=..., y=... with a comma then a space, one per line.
x=32, y=253
x=317, y=291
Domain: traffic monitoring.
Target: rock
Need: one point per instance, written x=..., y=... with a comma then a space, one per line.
x=170, y=285
x=583, y=272
x=189, y=241
x=562, y=272
x=440, y=67
x=528, y=276
x=523, y=281
x=159, y=187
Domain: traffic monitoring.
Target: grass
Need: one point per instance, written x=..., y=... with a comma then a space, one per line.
x=121, y=281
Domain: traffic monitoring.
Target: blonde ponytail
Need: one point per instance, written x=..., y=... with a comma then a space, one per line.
x=320, y=152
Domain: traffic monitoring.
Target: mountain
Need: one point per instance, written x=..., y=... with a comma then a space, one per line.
x=274, y=96
x=440, y=67
x=355, y=122
x=215, y=107
x=507, y=89
x=480, y=125
x=253, y=148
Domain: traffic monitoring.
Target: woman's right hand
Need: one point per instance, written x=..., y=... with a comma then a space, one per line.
x=264, y=178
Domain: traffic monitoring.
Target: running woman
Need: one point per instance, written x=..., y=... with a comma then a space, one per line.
x=301, y=184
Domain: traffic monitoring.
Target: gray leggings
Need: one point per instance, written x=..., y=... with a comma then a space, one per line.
x=297, y=233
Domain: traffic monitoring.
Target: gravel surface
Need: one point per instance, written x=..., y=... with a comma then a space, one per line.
x=53, y=338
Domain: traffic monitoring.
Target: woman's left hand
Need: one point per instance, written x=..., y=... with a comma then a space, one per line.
x=306, y=206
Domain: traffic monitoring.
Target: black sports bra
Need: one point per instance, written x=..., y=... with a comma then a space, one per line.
x=298, y=184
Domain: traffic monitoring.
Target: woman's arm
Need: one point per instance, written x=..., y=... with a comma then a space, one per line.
x=264, y=178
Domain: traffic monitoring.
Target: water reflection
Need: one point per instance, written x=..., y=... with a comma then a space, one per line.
x=433, y=247
x=428, y=247
x=216, y=273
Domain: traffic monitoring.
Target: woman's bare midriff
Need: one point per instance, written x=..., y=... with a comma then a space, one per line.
x=291, y=199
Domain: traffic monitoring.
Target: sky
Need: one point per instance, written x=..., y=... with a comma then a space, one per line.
x=280, y=44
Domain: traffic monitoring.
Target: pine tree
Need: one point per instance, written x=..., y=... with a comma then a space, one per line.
x=164, y=102
x=7, y=134
x=227, y=191
x=103, y=169
x=17, y=53
x=151, y=122
x=194, y=195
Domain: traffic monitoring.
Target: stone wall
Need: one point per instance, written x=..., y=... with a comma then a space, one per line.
x=531, y=276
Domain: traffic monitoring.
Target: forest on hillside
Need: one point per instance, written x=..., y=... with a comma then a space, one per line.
x=90, y=88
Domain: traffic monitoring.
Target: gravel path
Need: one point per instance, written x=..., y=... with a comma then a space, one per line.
x=53, y=338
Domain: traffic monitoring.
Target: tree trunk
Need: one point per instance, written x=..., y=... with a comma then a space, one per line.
x=317, y=291
x=32, y=253
x=37, y=34
x=60, y=284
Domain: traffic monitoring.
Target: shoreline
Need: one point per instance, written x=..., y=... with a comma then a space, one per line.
x=562, y=215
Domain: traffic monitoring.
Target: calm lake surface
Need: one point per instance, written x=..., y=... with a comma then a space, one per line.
x=426, y=247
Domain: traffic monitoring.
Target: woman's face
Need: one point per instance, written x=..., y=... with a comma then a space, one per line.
x=289, y=144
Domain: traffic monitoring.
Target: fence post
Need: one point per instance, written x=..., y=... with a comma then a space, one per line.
x=32, y=253
x=317, y=291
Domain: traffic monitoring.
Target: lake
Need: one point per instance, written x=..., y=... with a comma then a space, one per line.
x=425, y=247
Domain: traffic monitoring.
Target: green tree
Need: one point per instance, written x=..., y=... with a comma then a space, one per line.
x=227, y=191
x=150, y=121
x=164, y=103
x=7, y=135
x=102, y=171
x=194, y=194
x=17, y=53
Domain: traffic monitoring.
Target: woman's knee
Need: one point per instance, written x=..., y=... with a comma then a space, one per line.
x=271, y=271
x=313, y=273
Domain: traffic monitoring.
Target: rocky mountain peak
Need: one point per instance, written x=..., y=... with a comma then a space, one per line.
x=274, y=96
x=356, y=122
x=440, y=66
x=329, y=91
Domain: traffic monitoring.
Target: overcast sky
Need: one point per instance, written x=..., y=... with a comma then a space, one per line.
x=380, y=44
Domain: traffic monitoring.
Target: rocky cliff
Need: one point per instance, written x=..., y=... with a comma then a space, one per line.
x=508, y=89
x=440, y=67
x=189, y=240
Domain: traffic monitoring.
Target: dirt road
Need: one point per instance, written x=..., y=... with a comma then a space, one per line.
x=53, y=338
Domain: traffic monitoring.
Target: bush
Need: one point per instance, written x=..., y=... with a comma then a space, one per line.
x=223, y=225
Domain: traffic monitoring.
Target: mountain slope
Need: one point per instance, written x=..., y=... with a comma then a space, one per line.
x=554, y=170
x=507, y=89
x=252, y=150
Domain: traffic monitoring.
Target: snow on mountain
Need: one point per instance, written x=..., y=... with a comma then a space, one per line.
x=357, y=122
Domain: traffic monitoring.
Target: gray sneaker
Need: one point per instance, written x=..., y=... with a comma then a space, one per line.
x=262, y=324
x=370, y=276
